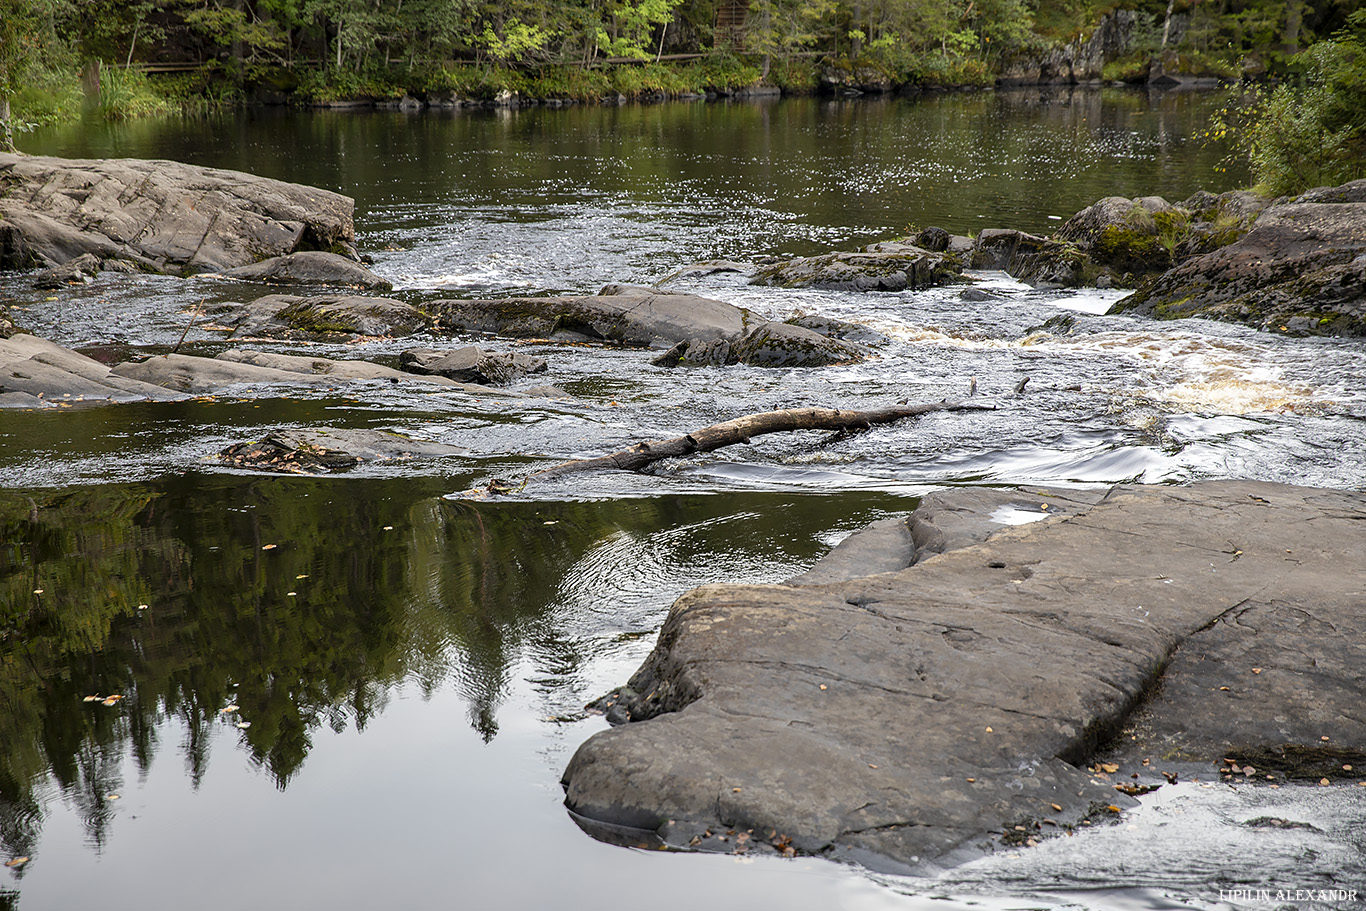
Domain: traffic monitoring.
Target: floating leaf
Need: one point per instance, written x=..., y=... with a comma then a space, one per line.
x=989, y=730
x=244, y=724
x=871, y=766
x=1256, y=670
x=16, y=862
x=93, y=699
x=37, y=591
x=302, y=576
x=1056, y=807
x=1324, y=782
x=822, y=686
x=111, y=797
x=231, y=708
x=268, y=546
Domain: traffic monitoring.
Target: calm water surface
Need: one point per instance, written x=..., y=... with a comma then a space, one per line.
x=360, y=691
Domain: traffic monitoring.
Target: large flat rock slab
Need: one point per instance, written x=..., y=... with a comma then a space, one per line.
x=161, y=216
x=902, y=718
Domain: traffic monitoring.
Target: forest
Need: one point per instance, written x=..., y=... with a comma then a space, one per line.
x=141, y=55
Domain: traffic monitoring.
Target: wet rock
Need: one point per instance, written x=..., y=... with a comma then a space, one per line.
x=471, y=365
x=207, y=375
x=924, y=714
x=977, y=295
x=1030, y=258
x=783, y=345
x=82, y=269
x=325, y=318
x=36, y=370
x=708, y=330
x=839, y=329
x=636, y=317
x=163, y=216
x=310, y=267
x=1299, y=268
x=710, y=267
x=888, y=266
x=317, y=450
x=936, y=240
x=235, y=368
x=697, y=353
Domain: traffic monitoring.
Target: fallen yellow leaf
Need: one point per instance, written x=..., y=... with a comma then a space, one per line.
x=268, y=546
x=1056, y=807
x=16, y=862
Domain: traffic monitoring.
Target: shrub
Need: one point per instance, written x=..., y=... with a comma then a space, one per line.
x=1310, y=133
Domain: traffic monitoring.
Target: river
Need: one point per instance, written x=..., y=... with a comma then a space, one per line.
x=359, y=691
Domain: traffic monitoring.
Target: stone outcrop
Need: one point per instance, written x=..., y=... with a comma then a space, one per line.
x=1079, y=60
x=1297, y=266
x=323, y=318
x=917, y=716
x=160, y=216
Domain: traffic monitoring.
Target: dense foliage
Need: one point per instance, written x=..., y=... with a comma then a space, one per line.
x=1313, y=133
x=217, y=50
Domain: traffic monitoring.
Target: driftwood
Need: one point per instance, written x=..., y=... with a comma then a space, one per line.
x=740, y=430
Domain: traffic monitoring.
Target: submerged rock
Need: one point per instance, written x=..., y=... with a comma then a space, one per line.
x=471, y=364
x=888, y=266
x=325, y=449
x=635, y=316
x=310, y=267
x=696, y=330
x=161, y=216
x=784, y=345
x=916, y=716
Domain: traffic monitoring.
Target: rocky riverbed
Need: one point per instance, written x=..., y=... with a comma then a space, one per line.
x=815, y=731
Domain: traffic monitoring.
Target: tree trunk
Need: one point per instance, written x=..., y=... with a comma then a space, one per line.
x=1294, y=16
x=740, y=430
x=6, y=128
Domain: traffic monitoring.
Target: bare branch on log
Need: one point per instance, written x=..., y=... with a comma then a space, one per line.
x=742, y=429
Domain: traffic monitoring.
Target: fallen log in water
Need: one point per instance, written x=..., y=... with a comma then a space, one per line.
x=739, y=430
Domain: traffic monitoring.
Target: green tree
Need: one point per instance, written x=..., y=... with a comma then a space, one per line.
x=1313, y=133
x=29, y=42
